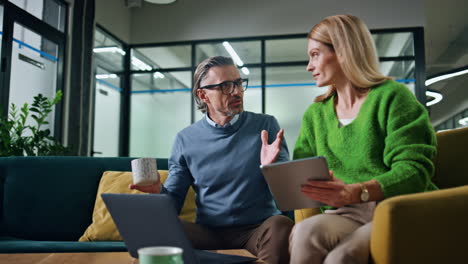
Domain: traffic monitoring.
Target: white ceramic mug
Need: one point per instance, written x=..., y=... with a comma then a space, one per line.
x=144, y=171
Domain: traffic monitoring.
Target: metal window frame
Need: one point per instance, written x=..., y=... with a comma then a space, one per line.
x=125, y=100
x=13, y=14
x=418, y=57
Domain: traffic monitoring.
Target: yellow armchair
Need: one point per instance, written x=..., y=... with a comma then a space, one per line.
x=429, y=227
x=425, y=228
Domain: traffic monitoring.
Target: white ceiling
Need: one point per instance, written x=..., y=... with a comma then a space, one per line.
x=446, y=44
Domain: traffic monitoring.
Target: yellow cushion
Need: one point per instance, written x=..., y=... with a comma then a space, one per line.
x=103, y=228
x=302, y=214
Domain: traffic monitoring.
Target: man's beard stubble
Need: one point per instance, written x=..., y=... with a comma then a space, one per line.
x=232, y=111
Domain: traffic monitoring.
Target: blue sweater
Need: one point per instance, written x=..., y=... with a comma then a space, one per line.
x=222, y=166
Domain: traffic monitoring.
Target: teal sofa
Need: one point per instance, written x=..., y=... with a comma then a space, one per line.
x=47, y=203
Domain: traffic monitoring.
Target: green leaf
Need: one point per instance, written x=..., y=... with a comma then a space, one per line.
x=57, y=98
x=17, y=138
x=34, y=109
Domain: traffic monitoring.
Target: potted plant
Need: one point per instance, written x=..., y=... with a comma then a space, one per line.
x=17, y=138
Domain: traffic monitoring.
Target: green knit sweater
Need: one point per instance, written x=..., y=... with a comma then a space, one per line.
x=391, y=140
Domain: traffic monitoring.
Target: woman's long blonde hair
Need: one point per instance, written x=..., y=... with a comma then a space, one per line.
x=354, y=47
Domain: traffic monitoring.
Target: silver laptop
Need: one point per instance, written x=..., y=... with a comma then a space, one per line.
x=285, y=180
x=146, y=220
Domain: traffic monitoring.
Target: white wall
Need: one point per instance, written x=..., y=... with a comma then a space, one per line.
x=115, y=17
x=205, y=19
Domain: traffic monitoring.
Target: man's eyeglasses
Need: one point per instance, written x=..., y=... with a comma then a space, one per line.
x=227, y=87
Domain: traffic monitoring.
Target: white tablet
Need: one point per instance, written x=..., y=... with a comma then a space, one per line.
x=286, y=178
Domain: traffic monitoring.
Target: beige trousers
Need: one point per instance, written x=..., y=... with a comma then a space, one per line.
x=330, y=238
x=268, y=241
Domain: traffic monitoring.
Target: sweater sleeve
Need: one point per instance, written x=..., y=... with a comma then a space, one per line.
x=180, y=178
x=305, y=143
x=409, y=146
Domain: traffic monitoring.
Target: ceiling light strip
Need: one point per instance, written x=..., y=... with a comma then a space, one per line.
x=446, y=76
x=233, y=54
x=463, y=121
x=140, y=64
x=109, y=49
x=106, y=76
x=158, y=75
x=437, y=98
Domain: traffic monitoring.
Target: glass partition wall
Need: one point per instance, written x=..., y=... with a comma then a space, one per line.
x=109, y=53
x=160, y=98
x=458, y=120
x=33, y=40
x=160, y=81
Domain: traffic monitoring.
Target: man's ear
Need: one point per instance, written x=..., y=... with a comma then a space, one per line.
x=202, y=95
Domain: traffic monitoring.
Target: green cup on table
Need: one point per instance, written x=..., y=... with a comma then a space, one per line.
x=160, y=255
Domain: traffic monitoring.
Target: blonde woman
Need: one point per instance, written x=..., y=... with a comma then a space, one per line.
x=375, y=135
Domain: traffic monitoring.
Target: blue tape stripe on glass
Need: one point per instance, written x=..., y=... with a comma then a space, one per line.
x=20, y=43
x=50, y=57
x=109, y=85
x=164, y=91
x=283, y=85
x=406, y=80
x=313, y=84
x=258, y=86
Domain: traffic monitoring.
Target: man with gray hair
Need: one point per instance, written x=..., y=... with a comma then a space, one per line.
x=219, y=156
